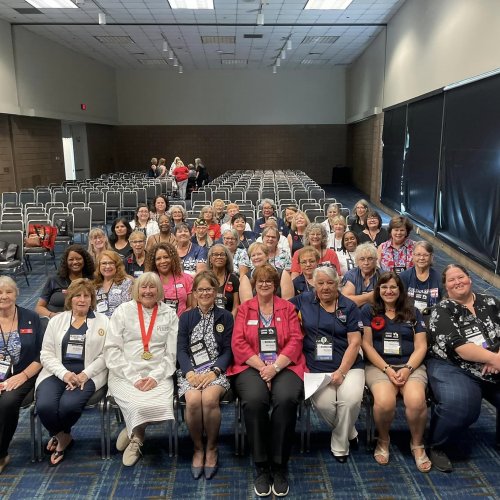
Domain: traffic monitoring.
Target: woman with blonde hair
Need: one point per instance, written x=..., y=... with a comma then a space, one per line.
x=112, y=284
x=98, y=242
x=297, y=229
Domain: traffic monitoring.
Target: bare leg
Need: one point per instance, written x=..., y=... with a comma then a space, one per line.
x=384, y=395
x=194, y=421
x=211, y=420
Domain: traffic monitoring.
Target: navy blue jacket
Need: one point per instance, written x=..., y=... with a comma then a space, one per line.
x=188, y=321
x=31, y=336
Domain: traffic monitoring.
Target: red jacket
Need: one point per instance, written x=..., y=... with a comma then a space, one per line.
x=245, y=341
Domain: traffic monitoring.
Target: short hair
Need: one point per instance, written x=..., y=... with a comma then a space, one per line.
x=177, y=207
x=181, y=225
x=205, y=209
x=231, y=205
x=137, y=233
x=309, y=250
x=238, y=216
x=148, y=278
x=7, y=281
x=339, y=219
x=373, y=214
x=88, y=262
x=269, y=229
x=120, y=275
x=161, y=161
x=267, y=201
x=233, y=232
x=218, y=201
x=293, y=225
x=425, y=244
x=355, y=236
x=229, y=267
x=112, y=237
x=163, y=216
x=93, y=233
x=316, y=226
x=331, y=272
x=136, y=215
x=205, y=275
x=76, y=288
x=150, y=262
x=333, y=205
x=265, y=272
x=255, y=246
x=451, y=266
x=367, y=248
x=399, y=221
x=154, y=161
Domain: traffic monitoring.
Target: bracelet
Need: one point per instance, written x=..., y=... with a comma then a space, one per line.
x=409, y=368
x=26, y=375
x=386, y=367
x=216, y=370
x=342, y=373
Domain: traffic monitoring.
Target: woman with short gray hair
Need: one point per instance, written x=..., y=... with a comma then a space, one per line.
x=267, y=208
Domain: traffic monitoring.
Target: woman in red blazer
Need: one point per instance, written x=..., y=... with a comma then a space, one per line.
x=268, y=372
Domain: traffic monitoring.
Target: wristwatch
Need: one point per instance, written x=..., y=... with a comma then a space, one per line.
x=277, y=368
x=216, y=370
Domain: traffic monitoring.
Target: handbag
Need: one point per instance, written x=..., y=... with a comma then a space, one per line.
x=41, y=235
x=8, y=251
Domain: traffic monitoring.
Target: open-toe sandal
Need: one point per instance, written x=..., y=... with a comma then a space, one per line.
x=381, y=453
x=58, y=456
x=422, y=462
x=51, y=445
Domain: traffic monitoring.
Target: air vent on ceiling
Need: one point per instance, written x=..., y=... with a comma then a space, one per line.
x=218, y=39
x=28, y=10
x=153, y=62
x=233, y=62
x=320, y=39
x=317, y=62
x=252, y=35
x=114, y=40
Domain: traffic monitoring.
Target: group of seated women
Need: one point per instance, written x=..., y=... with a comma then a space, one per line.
x=271, y=327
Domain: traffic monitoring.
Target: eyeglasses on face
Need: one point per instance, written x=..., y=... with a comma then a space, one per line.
x=105, y=263
x=392, y=288
x=222, y=254
x=206, y=291
x=366, y=259
x=264, y=282
x=137, y=242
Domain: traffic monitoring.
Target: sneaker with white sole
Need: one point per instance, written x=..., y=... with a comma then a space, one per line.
x=262, y=484
x=122, y=441
x=132, y=452
x=280, y=484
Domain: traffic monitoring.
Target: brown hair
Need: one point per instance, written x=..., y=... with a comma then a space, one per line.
x=76, y=288
x=150, y=263
x=266, y=272
x=119, y=266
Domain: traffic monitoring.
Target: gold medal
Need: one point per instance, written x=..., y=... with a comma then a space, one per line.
x=219, y=328
x=101, y=332
x=146, y=355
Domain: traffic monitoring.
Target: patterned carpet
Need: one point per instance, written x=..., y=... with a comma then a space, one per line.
x=313, y=475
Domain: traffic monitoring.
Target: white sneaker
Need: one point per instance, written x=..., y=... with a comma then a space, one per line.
x=132, y=452
x=122, y=441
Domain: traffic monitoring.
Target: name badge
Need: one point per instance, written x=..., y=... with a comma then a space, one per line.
x=341, y=315
x=172, y=303
x=324, y=349
x=399, y=269
x=102, y=304
x=421, y=300
x=221, y=300
x=75, y=348
x=116, y=291
x=474, y=335
x=252, y=322
x=5, y=364
x=138, y=273
x=179, y=285
x=199, y=353
x=392, y=343
x=268, y=344
x=349, y=263
x=25, y=330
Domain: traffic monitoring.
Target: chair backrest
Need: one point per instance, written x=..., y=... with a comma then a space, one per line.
x=68, y=216
x=197, y=196
x=98, y=212
x=129, y=200
x=53, y=210
x=43, y=197
x=141, y=195
x=73, y=204
x=150, y=192
x=82, y=219
x=77, y=196
x=113, y=200
x=26, y=196
x=9, y=197
x=62, y=196
x=95, y=196
x=17, y=225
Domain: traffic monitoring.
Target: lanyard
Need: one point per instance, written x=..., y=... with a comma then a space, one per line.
x=175, y=287
x=263, y=321
x=331, y=314
x=223, y=286
x=394, y=256
x=146, y=337
x=206, y=320
x=5, y=342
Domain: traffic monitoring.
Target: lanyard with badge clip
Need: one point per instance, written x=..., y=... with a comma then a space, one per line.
x=5, y=357
x=324, y=342
x=146, y=337
x=102, y=305
x=475, y=332
x=199, y=350
x=221, y=299
x=76, y=342
x=268, y=339
x=399, y=269
x=349, y=261
x=173, y=303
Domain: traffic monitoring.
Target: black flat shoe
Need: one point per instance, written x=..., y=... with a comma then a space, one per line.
x=342, y=459
x=354, y=443
x=196, y=472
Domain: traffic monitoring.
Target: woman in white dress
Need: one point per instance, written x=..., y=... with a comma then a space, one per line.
x=140, y=353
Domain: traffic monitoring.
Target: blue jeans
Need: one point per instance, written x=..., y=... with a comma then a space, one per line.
x=458, y=397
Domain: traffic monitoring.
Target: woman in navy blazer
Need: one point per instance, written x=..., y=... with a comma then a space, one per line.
x=20, y=345
x=204, y=353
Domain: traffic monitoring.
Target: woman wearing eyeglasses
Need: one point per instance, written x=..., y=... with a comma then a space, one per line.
x=268, y=367
x=98, y=242
x=422, y=281
x=359, y=282
x=134, y=263
x=357, y=222
x=395, y=344
x=396, y=254
x=241, y=262
x=220, y=263
x=113, y=286
x=142, y=221
x=374, y=232
x=309, y=261
x=204, y=353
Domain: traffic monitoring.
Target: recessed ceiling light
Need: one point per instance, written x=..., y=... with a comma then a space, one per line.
x=234, y=61
x=328, y=4
x=314, y=61
x=191, y=4
x=218, y=39
x=114, y=40
x=153, y=62
x=52, y=4
x=320, y=39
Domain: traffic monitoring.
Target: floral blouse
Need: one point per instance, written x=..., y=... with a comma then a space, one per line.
x=452, y=325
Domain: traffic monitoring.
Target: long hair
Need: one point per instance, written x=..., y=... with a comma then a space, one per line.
x=150, y=263
x=112, y=237
x=404, y=309
x=88, y=262
x=120, y=275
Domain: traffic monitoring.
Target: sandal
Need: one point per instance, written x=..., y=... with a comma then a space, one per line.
x=381, y=454
x=58, y=456
x=422, y=459
x=52, y=445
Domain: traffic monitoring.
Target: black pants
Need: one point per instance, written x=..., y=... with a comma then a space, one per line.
x=58, y=408
x=10, y=403
x=270, y=437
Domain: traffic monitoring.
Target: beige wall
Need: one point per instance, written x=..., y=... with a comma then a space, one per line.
x=8, y=90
